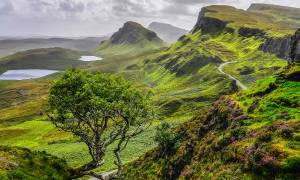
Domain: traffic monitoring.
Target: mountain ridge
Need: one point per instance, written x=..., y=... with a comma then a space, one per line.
x=167, y=32
x=130, y=38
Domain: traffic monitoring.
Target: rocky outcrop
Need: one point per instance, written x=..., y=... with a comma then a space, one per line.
x=191, y=66
x=249, y=32
x=295, y=48
x=207, y=24
x=281, y=47
x=132, y=33
x=284, y=47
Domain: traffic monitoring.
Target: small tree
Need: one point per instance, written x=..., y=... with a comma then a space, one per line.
x=102, y=110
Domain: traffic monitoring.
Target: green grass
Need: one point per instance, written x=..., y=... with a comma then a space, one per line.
x=47, y=58
x=288, y=16
x=240, y=18
x=20, y=163
x=235, y=139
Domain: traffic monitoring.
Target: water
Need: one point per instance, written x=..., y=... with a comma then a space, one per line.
x=22, y=74
x=90, y=58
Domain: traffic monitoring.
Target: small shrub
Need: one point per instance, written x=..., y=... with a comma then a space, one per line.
x=292, y=164
x=264, y=137
x=297, y=137
x=165, y=137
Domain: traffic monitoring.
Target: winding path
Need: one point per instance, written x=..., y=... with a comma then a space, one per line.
x=238, y=83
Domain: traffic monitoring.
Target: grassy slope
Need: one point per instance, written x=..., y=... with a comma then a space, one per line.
x=240, y=18
x=251, y=134
x=182, y=89
x=48, y=58
x=107, y=49
x=19, y=163
x=285, y=16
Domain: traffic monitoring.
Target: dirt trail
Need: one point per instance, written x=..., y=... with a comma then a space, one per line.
x=238, y=83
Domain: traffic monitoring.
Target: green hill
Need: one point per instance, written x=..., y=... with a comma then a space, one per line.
x=48, y=58
x=286, y=16
x=132, y=38
x=253, y=134
x=20, y=163
x=10, y=46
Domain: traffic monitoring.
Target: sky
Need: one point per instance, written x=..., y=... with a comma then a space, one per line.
x=75, y=18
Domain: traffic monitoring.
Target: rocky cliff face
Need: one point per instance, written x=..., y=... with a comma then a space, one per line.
x=208, y=24
x=287, y=47
x=281, y=47
x=295, y=48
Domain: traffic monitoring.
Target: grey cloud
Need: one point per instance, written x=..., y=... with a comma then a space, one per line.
x=71, y=6
x=104, y=16
x=6, y=7
x=192, y=2
x=177, y=10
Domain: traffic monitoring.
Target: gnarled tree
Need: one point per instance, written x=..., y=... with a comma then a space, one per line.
x=102, y=110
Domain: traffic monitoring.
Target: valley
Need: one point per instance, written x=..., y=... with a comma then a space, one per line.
x=228, y=87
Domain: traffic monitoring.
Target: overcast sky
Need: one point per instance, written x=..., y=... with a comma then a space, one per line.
x=100, y=17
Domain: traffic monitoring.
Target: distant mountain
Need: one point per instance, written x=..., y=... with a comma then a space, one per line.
x=13, y=45
x=132, y=38
x=45, y=58
x=167, y=32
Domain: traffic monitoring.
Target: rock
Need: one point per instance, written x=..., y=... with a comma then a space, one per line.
x=191, y=66
x=295, y=48
x=208, y=24
x=249, y=32
x=281, y=47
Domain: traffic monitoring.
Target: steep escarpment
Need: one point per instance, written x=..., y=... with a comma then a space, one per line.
x=208, y=24
x=295, y=48
x=279, y=46
x=132, y=38
x=275, y=36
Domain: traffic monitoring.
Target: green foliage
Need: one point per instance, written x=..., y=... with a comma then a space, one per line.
x=101, y=110
x=292, y=164
x=166, y=137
